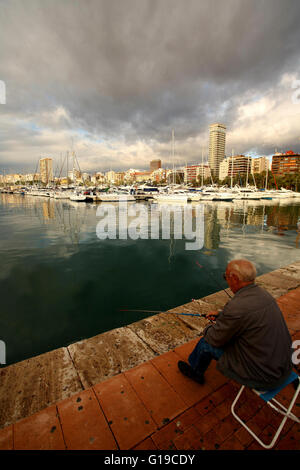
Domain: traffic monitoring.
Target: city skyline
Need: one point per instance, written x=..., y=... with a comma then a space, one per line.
x=235, y=165
x=112, y=80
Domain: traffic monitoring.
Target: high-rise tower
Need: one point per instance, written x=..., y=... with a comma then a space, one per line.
x=155, y=165
x=46, y=170
x=217, y=137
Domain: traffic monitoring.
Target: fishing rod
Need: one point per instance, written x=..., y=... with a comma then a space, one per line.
x=158, y=311
x=213, y=278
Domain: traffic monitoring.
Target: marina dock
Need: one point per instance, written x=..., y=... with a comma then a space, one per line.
x=122, y=389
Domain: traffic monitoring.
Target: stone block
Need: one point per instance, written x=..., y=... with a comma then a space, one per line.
x=103, y=356
x=31, y=385
x=163, y=332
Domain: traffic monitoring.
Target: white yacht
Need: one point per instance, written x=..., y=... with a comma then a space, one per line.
x=62, y=195
x=207, y=196
x=172, y=198
x=173, y=195
x=288, y=193
x=279, y=193
x=194, y=196
x=216, y=194
x=248, y=193
x=115, y=197
x=78, y=197
x=41, y=192
x=223, y=196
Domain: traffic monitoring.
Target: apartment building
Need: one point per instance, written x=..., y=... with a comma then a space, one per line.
x=286, y=163
x=259, y=165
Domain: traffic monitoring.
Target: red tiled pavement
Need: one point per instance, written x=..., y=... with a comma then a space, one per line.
x=83, y=423
x=187, y=389
x=164, y=438
x=159, y=398
x=153, y=406
x=126, y=414
x=41, y=431
x=6, y=438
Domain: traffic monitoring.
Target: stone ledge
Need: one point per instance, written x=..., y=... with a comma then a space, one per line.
x=103, y=356
x=31, y=385
x=163, y=332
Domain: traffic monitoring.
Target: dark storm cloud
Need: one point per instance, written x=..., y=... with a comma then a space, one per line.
x=136, y=69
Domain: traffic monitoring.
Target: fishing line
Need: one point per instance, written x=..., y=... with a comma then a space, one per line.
x=213, y=278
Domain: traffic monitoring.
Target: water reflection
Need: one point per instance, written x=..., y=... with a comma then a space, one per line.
x=74, y=220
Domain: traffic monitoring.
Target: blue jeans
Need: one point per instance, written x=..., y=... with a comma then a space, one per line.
x=202, y=355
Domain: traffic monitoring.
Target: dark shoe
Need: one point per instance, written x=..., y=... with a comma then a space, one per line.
x=188, y=371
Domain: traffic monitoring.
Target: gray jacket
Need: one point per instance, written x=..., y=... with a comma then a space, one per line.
x=255, y=338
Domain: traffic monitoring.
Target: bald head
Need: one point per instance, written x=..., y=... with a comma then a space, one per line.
x=243, y=269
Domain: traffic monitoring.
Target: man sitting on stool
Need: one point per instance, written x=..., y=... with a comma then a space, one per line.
x=249, y=338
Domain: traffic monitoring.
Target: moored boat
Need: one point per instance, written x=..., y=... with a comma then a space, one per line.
x=78, y=197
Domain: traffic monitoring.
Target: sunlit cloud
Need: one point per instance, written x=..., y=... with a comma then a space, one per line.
x=111, y=80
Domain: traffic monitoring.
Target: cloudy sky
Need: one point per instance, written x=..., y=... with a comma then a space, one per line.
x=110, y=79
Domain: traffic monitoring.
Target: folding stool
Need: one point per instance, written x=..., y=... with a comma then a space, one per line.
x=268, y=397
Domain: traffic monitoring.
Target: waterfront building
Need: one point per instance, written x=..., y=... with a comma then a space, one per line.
x=46, y=170
x=223, y=169
x=110, y=176
x=235, y=165
x=259, y=165
x=12, y=178
x=74, y=175
x=85, y=177
x=286, y=163
x=129, y=175
x=155, y=165
x=194, y=172
x=31, y=177
x=119, y=178
x=175, y=176
x=217, y=138
x=98, y=178
x=159, y=175
x=141, y=176
x=239, y=165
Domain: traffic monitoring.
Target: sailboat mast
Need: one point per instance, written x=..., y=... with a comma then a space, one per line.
x=266, y=184
x=231, y=168
x=173, y=155
x=67, y=169
x=202, y=171
x=247, y=171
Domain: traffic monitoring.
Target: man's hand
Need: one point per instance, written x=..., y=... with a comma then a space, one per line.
x=212, y=316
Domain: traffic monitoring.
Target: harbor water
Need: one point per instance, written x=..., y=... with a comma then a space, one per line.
x=60, y=283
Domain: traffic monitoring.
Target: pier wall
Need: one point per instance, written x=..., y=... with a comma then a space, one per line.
x=34, y=384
